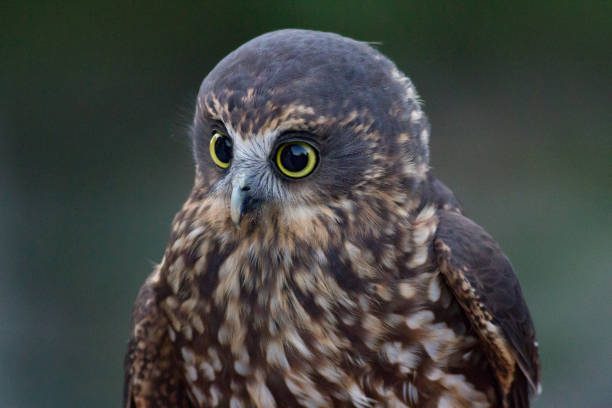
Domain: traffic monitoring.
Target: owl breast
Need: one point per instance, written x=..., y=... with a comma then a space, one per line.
x=343, y=321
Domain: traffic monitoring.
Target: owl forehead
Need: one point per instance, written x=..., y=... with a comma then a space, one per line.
x=323, y=84
x=244, y=117
x=303, y=77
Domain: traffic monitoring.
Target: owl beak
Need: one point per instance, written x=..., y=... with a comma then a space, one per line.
x=241, y=199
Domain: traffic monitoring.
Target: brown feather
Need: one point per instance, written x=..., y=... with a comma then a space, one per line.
x=486, y=286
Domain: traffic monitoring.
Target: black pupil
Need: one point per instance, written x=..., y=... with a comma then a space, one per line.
x=294, y=157
x=223, y=149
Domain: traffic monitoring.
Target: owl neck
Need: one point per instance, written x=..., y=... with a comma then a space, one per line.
x=298, y=261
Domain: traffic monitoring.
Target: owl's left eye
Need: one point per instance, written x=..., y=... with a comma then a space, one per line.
x=296, y=159
x=221, y=150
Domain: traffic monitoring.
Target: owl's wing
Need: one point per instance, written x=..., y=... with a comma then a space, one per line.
x=485, y=285
x=151, y=375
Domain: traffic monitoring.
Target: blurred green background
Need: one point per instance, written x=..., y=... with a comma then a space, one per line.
x=94, y=162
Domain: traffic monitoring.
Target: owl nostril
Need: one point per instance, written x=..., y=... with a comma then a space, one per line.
x=245, y=188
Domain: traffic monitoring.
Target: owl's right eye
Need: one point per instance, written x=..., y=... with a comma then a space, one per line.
x=221, y=150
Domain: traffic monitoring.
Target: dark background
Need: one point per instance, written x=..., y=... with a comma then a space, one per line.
x=94, y=162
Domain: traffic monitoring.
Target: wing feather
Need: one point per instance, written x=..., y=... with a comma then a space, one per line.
x=484, y=283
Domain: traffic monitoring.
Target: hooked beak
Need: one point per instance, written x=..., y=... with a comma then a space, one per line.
x=241, y=200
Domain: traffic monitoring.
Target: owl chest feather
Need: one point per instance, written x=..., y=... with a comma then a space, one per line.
x=333, y=326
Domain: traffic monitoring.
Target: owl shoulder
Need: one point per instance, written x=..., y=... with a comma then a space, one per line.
x=485, y=285
x=150, y=365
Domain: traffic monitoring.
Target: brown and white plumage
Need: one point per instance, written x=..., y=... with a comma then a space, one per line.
x=361, y=284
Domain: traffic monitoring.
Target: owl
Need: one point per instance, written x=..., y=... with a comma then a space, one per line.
x=317, y=261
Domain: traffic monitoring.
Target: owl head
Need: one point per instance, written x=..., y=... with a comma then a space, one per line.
x=298, y=118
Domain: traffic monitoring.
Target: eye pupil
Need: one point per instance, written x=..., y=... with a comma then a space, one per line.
x=294, y=157
x=223, y=149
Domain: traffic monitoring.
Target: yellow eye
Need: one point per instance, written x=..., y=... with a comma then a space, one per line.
x=296, y=159
x=221, y=150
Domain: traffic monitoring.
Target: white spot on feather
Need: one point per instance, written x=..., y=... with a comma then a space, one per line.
x=424, y=136
x=460, y=388
x=260, y=394
x=421, y=234
x=305, y=391
x=207, y=371
x=410, y=92
x=215, y=395
x=433, y=292
x=419, y=257
x=241, y=365
x=223, y=335
x=364, y=303
x=187, y=331
x=434, y=374
x=358, y=397
x=188, y=355
x=192, y=373
x=194, y=233
x=177, y=245
x=172, y=302
x=441, y=342
x=172, y=334
x=406, y=290
x=418, y=319
x=275, y=354
x=331, y=373
x=413, y=393
x=196, y=320
x=409, y=168
x=445, y=402
x=214, y=359
x=405, y=357
x=156, y=275
x=296, y=341
x=235, y=402
x=198, y=394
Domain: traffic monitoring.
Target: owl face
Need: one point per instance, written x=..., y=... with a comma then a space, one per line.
x=282, y=167
x=296, y=119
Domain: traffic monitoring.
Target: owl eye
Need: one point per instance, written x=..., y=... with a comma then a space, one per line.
x=221, y=150
x=296, y=159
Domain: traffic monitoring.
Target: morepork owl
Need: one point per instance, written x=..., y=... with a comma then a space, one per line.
x=317, y=261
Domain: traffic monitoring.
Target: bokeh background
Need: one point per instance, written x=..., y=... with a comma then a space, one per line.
x=94, y=162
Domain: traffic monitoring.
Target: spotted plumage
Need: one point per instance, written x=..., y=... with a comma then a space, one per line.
x=360, y=284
